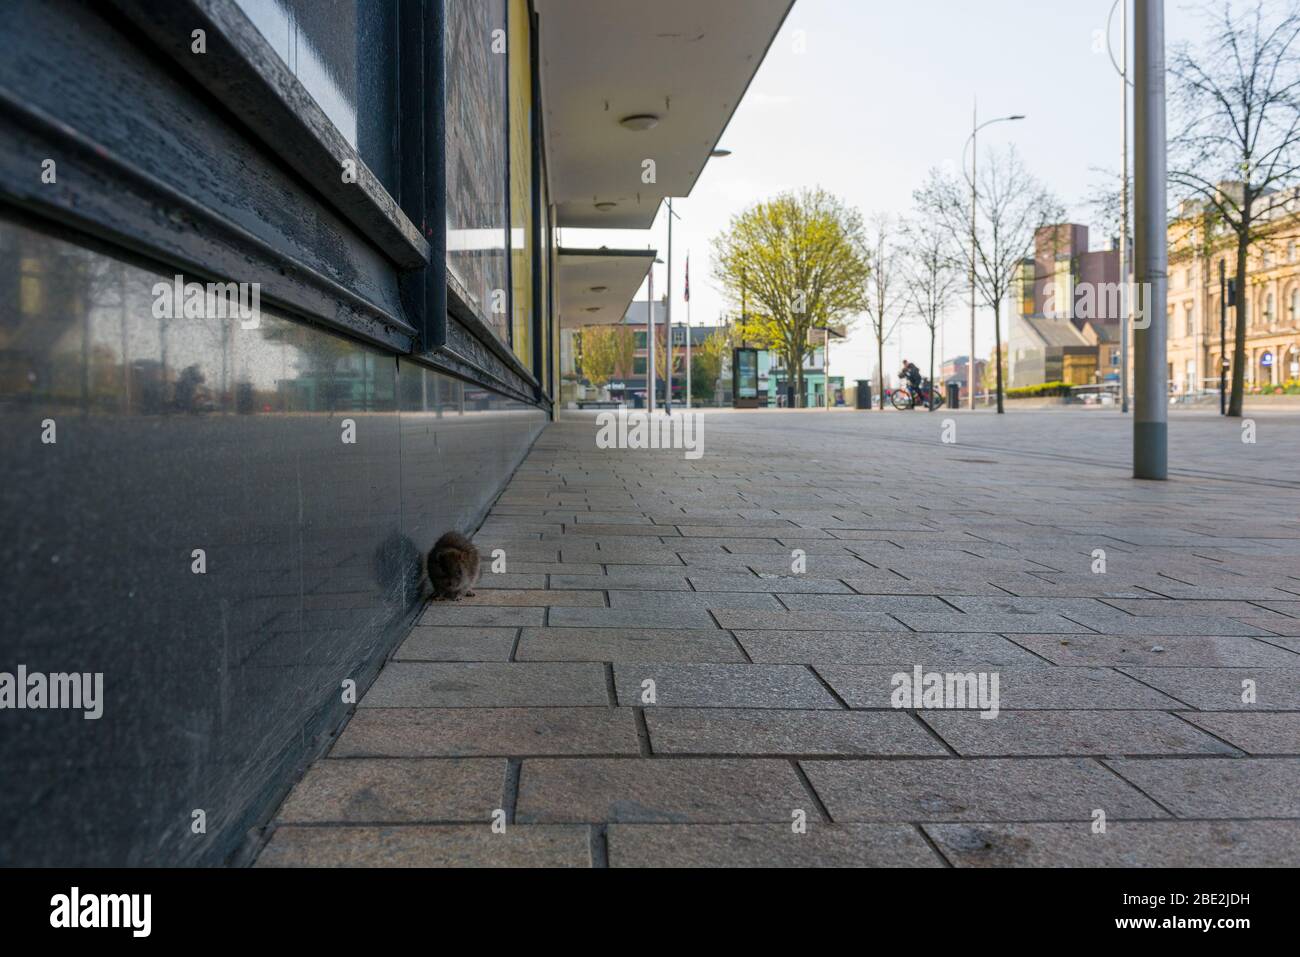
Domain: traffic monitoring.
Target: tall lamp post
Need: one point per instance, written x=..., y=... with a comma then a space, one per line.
x=1121, y=67
x=668, y=318
x=1150, y=252
x=971, y=144
x=650, y=337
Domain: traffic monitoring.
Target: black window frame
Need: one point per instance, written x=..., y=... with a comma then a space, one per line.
x=129, y=203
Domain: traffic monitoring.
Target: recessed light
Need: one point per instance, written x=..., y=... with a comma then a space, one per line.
x=640, y=122
x=605, y=206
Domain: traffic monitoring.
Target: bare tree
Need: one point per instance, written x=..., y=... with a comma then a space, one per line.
x=1238, y=150
x=886, y=299
x=1105, y=202
x=1012, y=205
x=933, y=274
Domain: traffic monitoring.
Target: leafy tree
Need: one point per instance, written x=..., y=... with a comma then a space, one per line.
x=791, y=264
x=607, y=351
x=1238, y=149
x=707, y=360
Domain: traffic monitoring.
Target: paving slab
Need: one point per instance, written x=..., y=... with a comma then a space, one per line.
x=483, y=732
x=721, y=686
x=428, y=846
x=768, y=845
x=1267, y=733
x=995, y=623
x=676, y=791
x=391, y=791
x=1226, y=788
x=1070, y=732
x=459, y=613
x=411, y=684
x=955, y=789
x=446, y=643
x=535, y=598
x=1019, y=688
x=898, y=648
x=651, y=601
x=628, y=644
x=1259, y=688
x=740, y=619
x=767, y=732
x=773, y=584
x=672, y=617
x=1124, y=844
x=1166, y=651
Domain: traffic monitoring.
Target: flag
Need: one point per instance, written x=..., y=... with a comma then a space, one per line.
x=687, y=290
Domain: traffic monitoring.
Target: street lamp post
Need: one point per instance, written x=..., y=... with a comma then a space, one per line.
x=1150, y=253
x=668, y=319
x=973, y=146
x=650, y=340
x=1122, y=69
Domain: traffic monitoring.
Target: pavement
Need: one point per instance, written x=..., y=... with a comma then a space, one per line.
x=711, y=661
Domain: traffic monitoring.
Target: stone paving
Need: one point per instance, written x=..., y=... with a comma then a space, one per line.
x=772, y=589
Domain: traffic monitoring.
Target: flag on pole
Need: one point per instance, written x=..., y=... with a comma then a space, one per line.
x=686, y=292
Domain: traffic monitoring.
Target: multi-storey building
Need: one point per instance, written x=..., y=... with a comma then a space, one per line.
x=1197, y=250
x=1065, y=320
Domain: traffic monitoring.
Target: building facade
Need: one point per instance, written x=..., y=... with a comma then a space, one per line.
x=1197, y=252
x=1067, y=302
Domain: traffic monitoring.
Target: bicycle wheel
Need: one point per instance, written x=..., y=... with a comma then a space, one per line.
x=901, y=399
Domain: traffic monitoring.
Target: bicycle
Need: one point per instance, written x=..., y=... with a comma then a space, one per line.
x=908, y=398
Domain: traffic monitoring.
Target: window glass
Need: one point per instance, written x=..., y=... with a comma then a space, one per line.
x=477, y=212
x=344, y=52
x=521, y=183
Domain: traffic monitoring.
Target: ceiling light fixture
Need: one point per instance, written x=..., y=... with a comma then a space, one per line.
x=599, y=288
x=639, y=122
x=605, y=206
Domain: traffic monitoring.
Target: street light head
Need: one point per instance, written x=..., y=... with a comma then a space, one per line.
x=719, y=153
x=1018, y=116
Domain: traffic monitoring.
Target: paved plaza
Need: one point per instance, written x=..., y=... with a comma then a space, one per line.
x=694, y=661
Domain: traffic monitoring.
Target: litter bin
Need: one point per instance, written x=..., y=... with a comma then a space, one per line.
x=864, y=394
x=954, y=393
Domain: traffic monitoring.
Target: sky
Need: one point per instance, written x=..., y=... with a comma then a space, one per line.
x=862, y=97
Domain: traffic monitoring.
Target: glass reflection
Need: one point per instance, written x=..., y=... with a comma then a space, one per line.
x=344, y=52
x=177, y=435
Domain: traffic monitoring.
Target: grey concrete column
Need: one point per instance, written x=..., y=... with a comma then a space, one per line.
x=1150, y=258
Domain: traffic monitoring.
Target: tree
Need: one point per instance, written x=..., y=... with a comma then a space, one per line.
x=1012, y=205
x=886, y=299
x=1238, y=98
x=706, y=363
x=791, y=264
x=607, y=351
x=933, y=274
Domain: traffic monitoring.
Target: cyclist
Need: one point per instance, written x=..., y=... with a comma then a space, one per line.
x=913, y=376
